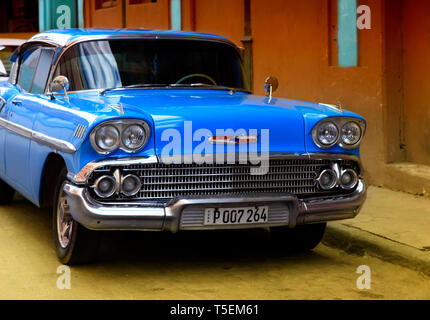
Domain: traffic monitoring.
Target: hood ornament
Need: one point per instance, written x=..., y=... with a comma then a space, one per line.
x=338, y=107
x=119, y=108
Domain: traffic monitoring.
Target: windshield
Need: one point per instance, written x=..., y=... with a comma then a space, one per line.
x=146, y=63
x=5, y=63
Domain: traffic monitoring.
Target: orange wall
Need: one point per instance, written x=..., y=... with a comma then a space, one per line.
x=223, y=17
x=17, y=35
x=416, y=32
x=103, y=18
x=291, y=42
x=148, y=15
x=145, y=15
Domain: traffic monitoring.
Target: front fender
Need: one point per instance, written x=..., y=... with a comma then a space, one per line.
x=64, y=121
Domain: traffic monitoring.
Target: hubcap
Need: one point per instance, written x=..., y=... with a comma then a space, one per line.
x=64, y=220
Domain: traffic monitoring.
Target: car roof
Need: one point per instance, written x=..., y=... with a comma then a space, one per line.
x=63, y=37
x=11, y=42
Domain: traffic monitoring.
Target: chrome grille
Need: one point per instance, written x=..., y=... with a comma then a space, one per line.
x=161, y=181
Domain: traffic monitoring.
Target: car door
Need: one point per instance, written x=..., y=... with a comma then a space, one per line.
x=21, y=111
x=7, y=92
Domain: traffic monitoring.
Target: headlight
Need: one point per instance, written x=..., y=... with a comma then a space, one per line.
x=105, y=186
x=130, y=185
x=133, y=137
x=129, y=135
x=106, y=139
x=351, y=133
x=327, y=179
x=346, y=132
x=327, y=134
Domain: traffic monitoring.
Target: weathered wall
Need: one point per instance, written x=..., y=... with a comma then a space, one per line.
x=224, y=17
x=416, y=38
x=103, y=18
x=145, y=15
x=393, y=73
x=17, y=35
x=148, y=15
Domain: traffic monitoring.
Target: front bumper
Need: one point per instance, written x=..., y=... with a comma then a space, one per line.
x=187, y=213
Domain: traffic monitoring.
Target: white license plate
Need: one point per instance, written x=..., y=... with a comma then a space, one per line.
x=234, y=216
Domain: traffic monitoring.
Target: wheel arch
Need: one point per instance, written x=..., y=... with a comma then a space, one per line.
x=54, y=163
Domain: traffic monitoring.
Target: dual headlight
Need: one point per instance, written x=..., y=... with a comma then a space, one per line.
x=347, y=132
x=128, y=135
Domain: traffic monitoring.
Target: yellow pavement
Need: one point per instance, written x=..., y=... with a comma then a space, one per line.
x=192, y=265
x=394, y=215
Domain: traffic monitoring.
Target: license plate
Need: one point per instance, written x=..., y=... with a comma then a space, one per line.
x=234, y=216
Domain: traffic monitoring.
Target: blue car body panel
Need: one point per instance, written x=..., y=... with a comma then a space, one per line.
x=22, y=162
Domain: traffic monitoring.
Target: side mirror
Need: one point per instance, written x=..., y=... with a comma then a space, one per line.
x=60, y=84
x=271, y=85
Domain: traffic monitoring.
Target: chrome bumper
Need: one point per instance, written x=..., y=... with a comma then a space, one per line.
x=170, y=216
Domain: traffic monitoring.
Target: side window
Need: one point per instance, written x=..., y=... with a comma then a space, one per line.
x=35, y=66
x=29, y=61
x=42, y=71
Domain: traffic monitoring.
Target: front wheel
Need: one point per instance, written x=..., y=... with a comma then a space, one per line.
x=74, y=244
x=300, y=238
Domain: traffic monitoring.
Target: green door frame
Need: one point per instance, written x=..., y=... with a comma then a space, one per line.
x=50, y=17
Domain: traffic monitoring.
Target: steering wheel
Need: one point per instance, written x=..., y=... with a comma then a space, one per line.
x=201, y=75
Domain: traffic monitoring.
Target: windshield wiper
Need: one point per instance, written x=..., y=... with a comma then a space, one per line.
x=138, y=85
x=203, y=85
x=172, y=85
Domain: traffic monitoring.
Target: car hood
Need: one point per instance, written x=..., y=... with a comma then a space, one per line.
x=193, y=115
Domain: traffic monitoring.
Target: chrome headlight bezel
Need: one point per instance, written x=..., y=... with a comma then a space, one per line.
x=121, y=125
x=343, y=141
x=339, y=122
x=99, y=148
x=317, y=134
x=141, y=143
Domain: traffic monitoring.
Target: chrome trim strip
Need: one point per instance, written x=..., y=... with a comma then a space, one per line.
x=56, y=144
x=41, y=41
x=95, y=217
x=2, y=103
x=80, y=130
x=167, y=217
x=240, y=139
x=44, y=38
x=336, y=208
x=81, y=177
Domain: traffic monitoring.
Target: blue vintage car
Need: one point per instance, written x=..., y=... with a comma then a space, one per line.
x=157, y=130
